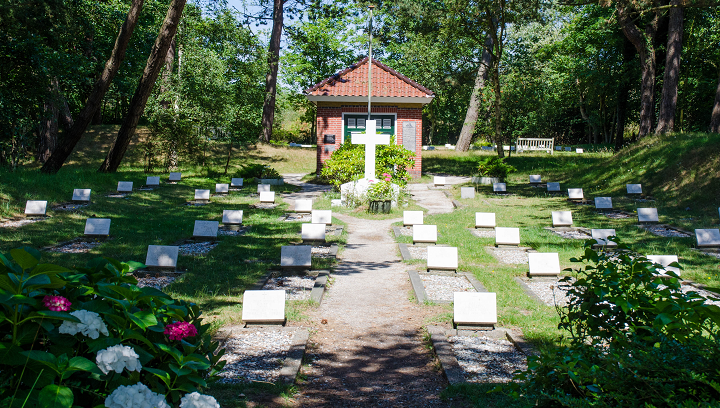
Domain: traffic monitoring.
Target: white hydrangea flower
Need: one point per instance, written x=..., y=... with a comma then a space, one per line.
x=135, y=396
x=91, y=325
x=116, y=358
x=197, y=400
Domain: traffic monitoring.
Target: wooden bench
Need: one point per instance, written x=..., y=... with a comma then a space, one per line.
x=531, y=143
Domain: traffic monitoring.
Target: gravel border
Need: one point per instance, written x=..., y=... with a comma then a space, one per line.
x=441, y=288
x=482, y=232
x=69, y=206
x=295, y=287
x=510, y=255
x=200, y=248
x=544, y=290
x=571, y=232
x=663, y=230
x=484, y=359
x=17, y=223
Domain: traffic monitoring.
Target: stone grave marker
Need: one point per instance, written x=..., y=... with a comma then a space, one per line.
x=544, y=264
x=500, y=187
x=412, y=217
x=467, y=192
x=665, y=261
x=558, y=148
x=97, y=227
x=303, y=206
x=579, y=150
x=162, y=256
x=35, y=208
x=575, y=194
x=507, y=236
x=322, y=217
x=562, y=219
x=601, y=236
x=205, y=229
x=535, y=179
x=297, y=256
x=603, y=203
x=267, y=197
x=484, y=220
x=81, y=194
x=425, y=234
x=634, y=188
x=553, y=186
x=336, y=203
x=263, y=188
x=175, y=176
x=445, y=258
x=474, y=308
x=313, y=232
x=438, y=181
x=707, y=238
x=202, y=195
x=124, y=186
x=232, y=217
x=648, y=215
x=263, y=307
x=568, y=149
x=222, y=188
x=236, y=182
x=152, y=181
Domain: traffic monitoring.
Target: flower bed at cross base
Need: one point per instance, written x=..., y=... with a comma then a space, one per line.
x=91, y=337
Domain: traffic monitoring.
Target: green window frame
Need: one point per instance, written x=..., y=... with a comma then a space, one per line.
x=352, y=123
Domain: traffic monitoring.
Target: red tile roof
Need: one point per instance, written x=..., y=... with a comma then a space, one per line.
x=352, y=81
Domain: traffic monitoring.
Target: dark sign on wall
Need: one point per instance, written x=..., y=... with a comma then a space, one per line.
x=408, y=135
x=329, y=139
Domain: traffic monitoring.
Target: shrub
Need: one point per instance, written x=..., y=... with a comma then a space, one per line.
x=257, y=170
x=635, y=339
x=73, y=337
x=495, y=167
x=348, y=163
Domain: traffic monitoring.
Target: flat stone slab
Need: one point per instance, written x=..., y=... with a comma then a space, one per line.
x=313, y=232
x=443, y=258
x=125, y=187
x=222, y=188
x=475, y=308
x=175, y=176
x=81, y=194
x=263, y=188
x=648, y=215
x=152, y=181
x=263, y=307
x=575, y=194
x=603, y=203
x=322, y=217
x=97, y=227
x=232, y=217
x=205, y=229
x=562, y=218
x=500, y=187
x=267, y=196
x=634, y=188
x=467, y=192
x=35, y=208
x=707, y=238
x=543, y=264
x=484, y=220
x=553, y=187
x=236, y=182
x=202, y=194
x=439, y=181
x=162, y=256
x=601, y=236
x=303, y=206
x=535, y=179
x=425, y=233
x=297, y=256
x=664, y=261
x=412, y=217
x=507, y=236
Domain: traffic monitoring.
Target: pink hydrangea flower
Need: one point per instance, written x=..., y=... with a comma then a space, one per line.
x=180, y=330
x=57, y=303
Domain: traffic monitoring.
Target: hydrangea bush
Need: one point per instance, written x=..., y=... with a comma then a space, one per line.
x=91, y=337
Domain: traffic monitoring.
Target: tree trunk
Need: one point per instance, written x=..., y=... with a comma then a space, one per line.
x=268, y=115
x=471, y=118
x=154, y=64
x=167, y=74
x=498, y=113
x=97, y=117
x=715, y=117
x=48, y=126
x=623, y=95
x=666, y=120
x=643, y=43
x=68, y=142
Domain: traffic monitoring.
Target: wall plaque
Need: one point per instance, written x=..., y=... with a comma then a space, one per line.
x=408, y=133
x=329, y=139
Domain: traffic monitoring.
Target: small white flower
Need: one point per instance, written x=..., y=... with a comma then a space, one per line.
x=116, y=358
x=135, y=396
x=91, y=325
x=197, y=400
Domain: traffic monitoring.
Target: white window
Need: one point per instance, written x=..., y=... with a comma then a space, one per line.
x=387, y=123
x=351, y=122
x=361, y=123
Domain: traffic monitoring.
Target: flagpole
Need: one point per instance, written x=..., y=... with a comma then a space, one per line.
x=371, y=7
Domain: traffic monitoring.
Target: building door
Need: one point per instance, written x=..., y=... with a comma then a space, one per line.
x=356, y=123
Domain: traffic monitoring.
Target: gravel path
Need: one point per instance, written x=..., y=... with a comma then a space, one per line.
x=440, y=287
x=369, y=352
x=486, y=360
x=431, y=199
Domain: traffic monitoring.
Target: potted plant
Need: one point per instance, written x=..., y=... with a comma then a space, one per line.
x=380, y=195
x=494, y=170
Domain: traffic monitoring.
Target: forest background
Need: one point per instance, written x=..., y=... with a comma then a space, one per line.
x=599, y=73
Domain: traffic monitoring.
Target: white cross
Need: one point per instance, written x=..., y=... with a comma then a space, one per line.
x=370, y=139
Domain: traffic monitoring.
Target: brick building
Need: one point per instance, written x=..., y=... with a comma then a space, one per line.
x=397, y=103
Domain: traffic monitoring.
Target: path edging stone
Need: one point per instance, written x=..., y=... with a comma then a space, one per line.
x=443, y=350
x=293, y=361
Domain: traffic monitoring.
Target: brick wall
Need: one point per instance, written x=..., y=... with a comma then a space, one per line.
x=329, y=121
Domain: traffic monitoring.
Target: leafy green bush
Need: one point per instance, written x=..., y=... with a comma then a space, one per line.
x=348, y=163
x=635, y=340
x=494, y=167
x=257, y=170
x=73, y=337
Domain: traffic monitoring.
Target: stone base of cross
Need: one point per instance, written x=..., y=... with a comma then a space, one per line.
x=370, y=139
